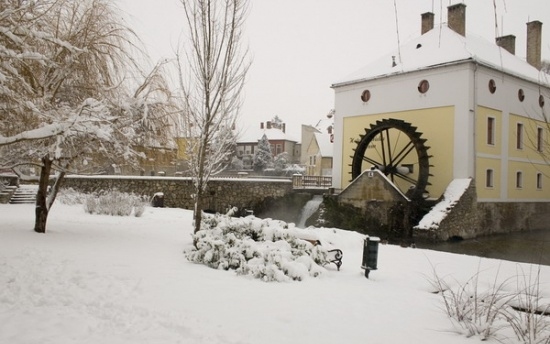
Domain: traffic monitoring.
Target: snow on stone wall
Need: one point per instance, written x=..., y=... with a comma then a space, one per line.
x=439, y=212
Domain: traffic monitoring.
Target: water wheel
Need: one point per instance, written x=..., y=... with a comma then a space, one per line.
x=394, y=147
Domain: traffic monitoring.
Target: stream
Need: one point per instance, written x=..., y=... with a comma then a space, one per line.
x=526, y=247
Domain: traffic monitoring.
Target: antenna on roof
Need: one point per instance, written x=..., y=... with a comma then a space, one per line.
x=496, y=18
x=440, y=21
x=397, y=30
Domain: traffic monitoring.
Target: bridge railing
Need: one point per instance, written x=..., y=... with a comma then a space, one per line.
x=299, y=181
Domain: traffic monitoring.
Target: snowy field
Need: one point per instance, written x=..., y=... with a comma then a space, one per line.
x=104, y=279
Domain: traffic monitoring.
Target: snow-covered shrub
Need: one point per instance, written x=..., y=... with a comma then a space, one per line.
x=115, y=203
x=293, y=169
x=71, y=197
x=280, y=162
x=262, y=248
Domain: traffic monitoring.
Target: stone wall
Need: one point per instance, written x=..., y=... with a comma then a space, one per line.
x=9, y=179
x=371, y=206
x=470, y=218
x=221, y=194
x=506, y=217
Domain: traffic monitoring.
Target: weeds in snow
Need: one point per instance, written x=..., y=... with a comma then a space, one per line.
x=528, y=314
x=485, y=312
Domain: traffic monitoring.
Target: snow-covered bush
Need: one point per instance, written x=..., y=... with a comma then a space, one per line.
x=115, y=203
x=262, y=248
x=281, y=161
x=111, y=202
x=71, y=197
x=293, y=169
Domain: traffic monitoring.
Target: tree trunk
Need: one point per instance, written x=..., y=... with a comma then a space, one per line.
x=42, y=207
x=198, y=211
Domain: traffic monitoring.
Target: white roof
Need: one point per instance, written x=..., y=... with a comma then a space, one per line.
x=253, y=135
x=441, y=46
x=325, y=146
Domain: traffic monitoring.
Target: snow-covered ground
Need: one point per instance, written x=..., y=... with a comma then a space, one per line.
x=104, y=279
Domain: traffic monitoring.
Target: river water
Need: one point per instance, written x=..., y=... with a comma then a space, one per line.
x=527, y=247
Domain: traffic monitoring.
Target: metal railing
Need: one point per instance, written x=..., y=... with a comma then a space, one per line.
x=299, y=181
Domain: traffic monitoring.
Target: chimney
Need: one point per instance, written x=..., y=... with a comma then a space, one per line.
x=261, y=125
x=534, y=38
x=268, y=125
x=427, y=22
x=456, y=18
x=508, y=43
x=284, y=127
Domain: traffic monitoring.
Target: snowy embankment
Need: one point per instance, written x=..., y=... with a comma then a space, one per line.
x=439, y=212
x=105, y=279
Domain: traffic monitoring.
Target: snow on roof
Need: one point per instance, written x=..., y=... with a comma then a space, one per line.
x=442, y=46
x=325, y=146
x=439, y=212
x=253, y=135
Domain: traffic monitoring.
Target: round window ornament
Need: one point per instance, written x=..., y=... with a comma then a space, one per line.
x=541, y=100
x=492, y=86
x=423, y=86
x=365, y=96
x=521, y=95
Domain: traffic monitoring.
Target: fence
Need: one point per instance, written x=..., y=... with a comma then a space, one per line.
x=299, y=181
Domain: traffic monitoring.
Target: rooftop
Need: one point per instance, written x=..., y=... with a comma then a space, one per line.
x=443, y=46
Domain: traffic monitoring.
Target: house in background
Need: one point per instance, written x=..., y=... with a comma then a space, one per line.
x=317, y=148
x=471, y=108
x=279, y=140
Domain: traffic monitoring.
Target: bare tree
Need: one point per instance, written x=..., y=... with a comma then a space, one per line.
x=212, y=73
x=65, y=91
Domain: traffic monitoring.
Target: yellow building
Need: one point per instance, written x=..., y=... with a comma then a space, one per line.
x=447, y=106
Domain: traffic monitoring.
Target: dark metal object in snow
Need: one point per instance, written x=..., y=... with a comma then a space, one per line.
x=337, y=257
x=370, y=255
x=158, y=200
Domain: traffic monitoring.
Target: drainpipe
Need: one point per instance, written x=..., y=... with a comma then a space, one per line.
x=474, y=119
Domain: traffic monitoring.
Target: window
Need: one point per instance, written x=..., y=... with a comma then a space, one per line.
x=490, y=130
x=279, y=148
x=521, y=95
x=492, y=86
x=541, y=100
x=365, y=96
x=423, y=86
x=539, y=181
x=519, y=136
x=489, y=178
x=519, y=180
x=540, y=139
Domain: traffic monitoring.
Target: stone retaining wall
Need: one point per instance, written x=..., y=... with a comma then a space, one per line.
x=470, y=218
x=222, y=193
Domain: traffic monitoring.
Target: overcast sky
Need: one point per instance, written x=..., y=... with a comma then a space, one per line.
x=301, y=47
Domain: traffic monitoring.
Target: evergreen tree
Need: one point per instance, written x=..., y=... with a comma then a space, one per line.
x=281, y=161
x=263, y=157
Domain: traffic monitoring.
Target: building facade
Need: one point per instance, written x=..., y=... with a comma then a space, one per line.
x=479, y=110
x=279, y=141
